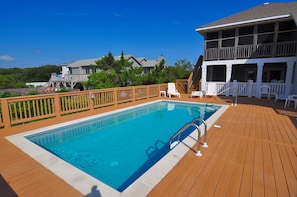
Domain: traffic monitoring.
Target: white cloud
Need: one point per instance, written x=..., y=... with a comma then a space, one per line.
x=6, y=58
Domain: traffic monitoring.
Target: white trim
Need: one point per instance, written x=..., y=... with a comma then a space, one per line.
x=244, y=22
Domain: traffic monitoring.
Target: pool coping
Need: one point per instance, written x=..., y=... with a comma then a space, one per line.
x=84, y=183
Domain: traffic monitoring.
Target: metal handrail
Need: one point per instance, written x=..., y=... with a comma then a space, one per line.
x=205, y=130
x=229, y=89
x=198, y=153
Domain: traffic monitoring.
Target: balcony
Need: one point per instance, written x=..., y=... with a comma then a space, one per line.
x=281, y=49
x=69, y=77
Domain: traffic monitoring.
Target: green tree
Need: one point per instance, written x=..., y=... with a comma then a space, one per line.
x=120, y=73
x=19, y=76
x=106, y=63
x=114, y=73
x=42, y=73
x=8, y=81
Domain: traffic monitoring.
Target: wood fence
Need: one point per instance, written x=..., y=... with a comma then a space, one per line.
x=16, y=111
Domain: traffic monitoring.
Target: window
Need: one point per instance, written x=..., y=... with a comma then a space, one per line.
x=211, y=44
x=246, y=30
x=287, y=25
x=228, y=42
x=212, y=35
x=244, y=72
x=246, y=40
x=216, y=73
x=228, y=33
x=274, y=71
x=262, y=28
x=287, y=36
x=265, y=38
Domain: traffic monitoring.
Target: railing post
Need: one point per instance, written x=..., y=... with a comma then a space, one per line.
x=57, y=105
x=250, y=88
x=115, y=96
x=133, y=93
x=159, y=89
x=235, y=85
x=5, y=113
x=91, y=100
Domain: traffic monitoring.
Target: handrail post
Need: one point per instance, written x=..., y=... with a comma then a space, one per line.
x=198, y=153
x=205, y=131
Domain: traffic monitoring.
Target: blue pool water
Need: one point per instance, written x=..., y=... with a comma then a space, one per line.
x=118, y=148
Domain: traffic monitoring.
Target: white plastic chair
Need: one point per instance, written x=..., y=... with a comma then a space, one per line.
x=197, y=93
x=289, y=99
x=264, y=91
x=172, y=90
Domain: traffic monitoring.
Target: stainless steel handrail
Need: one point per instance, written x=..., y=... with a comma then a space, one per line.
x=205, y=130
x=178, y=133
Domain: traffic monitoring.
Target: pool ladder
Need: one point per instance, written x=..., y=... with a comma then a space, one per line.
x=172, y=143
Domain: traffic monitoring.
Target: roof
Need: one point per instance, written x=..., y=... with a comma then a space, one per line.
x=139, y=61
x=84, y=62
x=152, y=63
x=261, y=13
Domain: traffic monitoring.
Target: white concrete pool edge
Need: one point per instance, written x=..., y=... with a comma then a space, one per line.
x=84, y=182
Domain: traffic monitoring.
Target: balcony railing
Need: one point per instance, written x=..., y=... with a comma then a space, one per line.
x=252, y=51
x=248, y=89
x=19, y=111
x=69, y=77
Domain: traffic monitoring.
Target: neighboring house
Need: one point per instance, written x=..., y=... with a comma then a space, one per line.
x=78, y=71
x=250, y=49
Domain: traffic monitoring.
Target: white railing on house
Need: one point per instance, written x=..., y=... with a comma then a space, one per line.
x=248, y=89
x=69, y=77
x=286, y=48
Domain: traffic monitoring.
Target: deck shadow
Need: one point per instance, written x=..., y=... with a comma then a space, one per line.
x=5, y=189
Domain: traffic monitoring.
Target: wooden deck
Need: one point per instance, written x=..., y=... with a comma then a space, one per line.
x=254, y=153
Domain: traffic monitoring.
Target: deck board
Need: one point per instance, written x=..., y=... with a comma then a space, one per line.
x=254, y=153
x=257, y=155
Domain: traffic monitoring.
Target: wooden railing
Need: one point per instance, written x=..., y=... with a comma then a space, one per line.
x=22, y=110
x=286, y=48
x=181, y=85
x=252, y=51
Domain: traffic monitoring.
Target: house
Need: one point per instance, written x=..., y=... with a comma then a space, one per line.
x=74, y=73
x=252, y=48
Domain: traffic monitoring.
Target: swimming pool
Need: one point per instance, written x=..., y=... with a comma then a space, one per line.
x=119, y=147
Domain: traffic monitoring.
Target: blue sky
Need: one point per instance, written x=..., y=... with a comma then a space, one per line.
x=35, y=33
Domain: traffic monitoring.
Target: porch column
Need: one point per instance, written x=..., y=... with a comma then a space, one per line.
x=249, y=88
x=289, y=75
x=259, y=77
x=203, y=82
x=295, y=78
x=228, y=78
